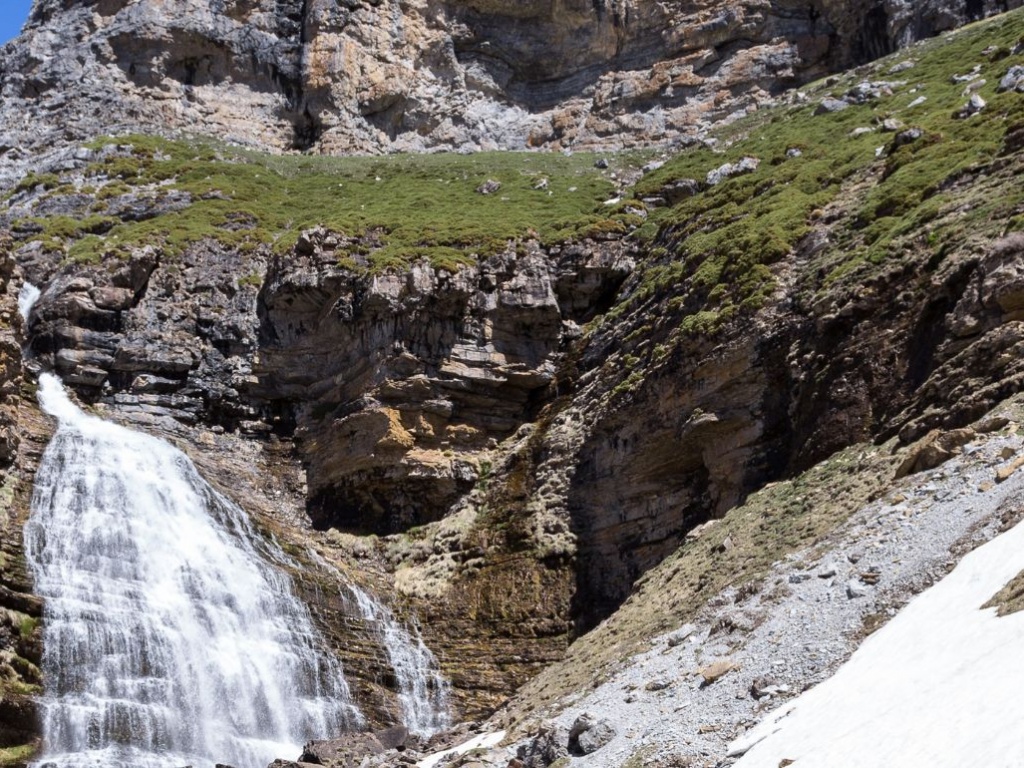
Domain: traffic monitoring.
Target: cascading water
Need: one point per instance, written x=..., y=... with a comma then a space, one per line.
x=27, y=297
x=171, y=638
x=424, y=694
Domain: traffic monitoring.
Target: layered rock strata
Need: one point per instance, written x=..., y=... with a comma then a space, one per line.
x=23, y=434
x=383, y=75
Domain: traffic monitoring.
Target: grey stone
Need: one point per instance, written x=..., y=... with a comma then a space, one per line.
x=489, y=187
x=1013, y=80
x=856, y=588
x=550, y=744
x=588, y=735
x=828, y=106
x=743, y=166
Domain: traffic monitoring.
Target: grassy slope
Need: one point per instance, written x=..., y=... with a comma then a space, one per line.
x=715, y=252
x=406, y=207
x=716, y=255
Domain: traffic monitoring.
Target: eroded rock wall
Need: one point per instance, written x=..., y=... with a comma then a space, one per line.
x=22, y=436
x=384, y=75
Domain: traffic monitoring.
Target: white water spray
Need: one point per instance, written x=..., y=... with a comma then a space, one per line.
x=27, y=297
x=170, y=636
x=424, y=694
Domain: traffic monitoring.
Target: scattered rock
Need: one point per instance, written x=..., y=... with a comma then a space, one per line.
x=903, y=66
x=602, y=163
x=827, y=572
x=652, y=166
x=489, y=187
x=891, y=125
x=973, y=106
x=742, y=166
x=1013, y=80
x=715, y=671
x=794, y=152
x=588, y=735
x=856, y=588
x=828, y=106
x=917, y=102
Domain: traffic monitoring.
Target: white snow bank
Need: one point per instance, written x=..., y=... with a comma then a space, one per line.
x=938, y=686
x=484, y=741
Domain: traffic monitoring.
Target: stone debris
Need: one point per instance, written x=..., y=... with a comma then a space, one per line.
x=1013, y=80
x=831, y=105
x=728, y=170
x=973, y=106
x=489, y=187
x=811, y=625
x=589, y=734
x=712, y=673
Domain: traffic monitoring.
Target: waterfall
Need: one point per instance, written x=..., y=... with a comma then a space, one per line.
x=424, y=694
x=27, y=297
x=172, y=637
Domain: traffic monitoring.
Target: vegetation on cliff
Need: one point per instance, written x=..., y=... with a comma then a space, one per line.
x=447, y=209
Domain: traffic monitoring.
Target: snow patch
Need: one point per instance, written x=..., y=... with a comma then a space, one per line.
x=483, y=741
x=937, y=686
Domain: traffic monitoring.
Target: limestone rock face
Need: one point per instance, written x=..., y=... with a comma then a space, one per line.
x=406, y=380
x=374, y=75
x=22, y=436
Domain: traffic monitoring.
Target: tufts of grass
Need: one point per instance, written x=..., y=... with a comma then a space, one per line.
x=715, y=252
x=423, y=207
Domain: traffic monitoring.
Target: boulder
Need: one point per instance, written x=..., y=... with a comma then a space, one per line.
x=1013, y=80
x=932, y=450
x=588, y=735
x=828, y=106
x=550, y=744
x=743, y=166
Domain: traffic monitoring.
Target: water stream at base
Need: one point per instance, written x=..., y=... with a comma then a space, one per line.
x=170, y=637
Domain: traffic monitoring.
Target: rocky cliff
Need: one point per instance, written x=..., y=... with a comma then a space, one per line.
x=22, y=436
x=503, y=388
x=379, y=76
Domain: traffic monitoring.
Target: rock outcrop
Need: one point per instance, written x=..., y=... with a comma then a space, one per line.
x=21, y=438
x=509, y=442
x=374, y=76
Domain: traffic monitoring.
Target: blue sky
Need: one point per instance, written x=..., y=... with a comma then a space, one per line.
x=12, y=16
